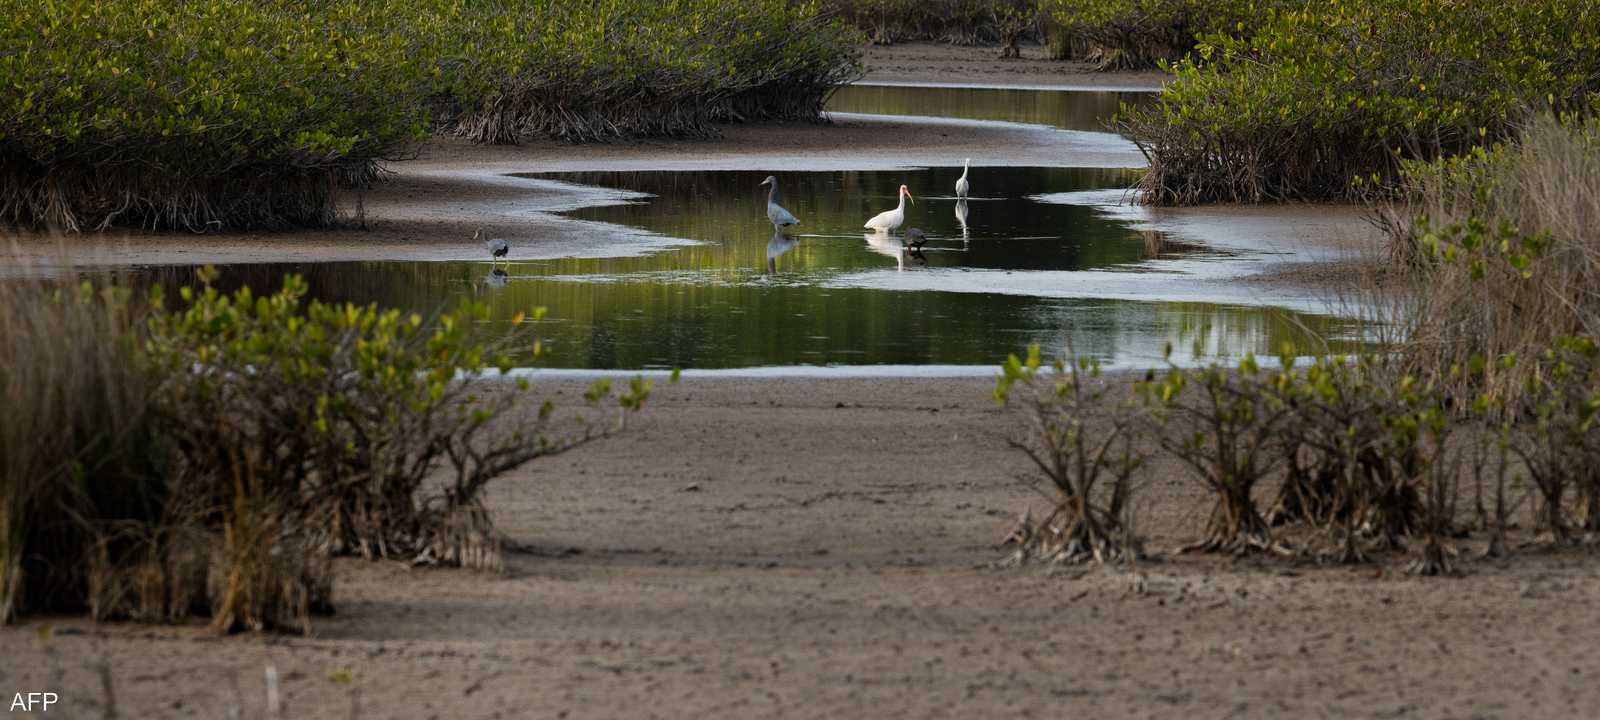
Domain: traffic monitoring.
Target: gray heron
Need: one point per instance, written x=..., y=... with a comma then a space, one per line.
x=780, y=217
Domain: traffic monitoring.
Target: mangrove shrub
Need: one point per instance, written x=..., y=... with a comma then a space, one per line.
x=1304, y=101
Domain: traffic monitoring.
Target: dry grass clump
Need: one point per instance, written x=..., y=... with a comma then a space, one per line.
x=77, y=439
x=1506, y=246
x=211, y=458
x=1504, y=249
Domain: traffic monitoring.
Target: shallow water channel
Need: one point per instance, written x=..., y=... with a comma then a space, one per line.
x=1074, y=110
x=1011, y=266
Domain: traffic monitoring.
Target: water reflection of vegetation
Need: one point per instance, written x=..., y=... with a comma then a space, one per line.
x=634, y=324
x=1068, y=110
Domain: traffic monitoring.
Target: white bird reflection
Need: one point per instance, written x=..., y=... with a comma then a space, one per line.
x=961, y=219
x=895, y=248
x=777, y=246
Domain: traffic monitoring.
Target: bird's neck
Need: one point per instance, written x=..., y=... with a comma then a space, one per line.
x=772, y=194
x=902, y=202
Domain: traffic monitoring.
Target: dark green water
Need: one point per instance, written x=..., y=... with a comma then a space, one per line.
x=832, y=293
x=999, y=228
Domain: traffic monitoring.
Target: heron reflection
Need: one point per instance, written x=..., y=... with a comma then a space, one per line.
x=496, y=278
x=778, y=245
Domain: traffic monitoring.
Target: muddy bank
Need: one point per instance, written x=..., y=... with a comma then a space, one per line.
x=941, y=64
x=429, y=208
x=807, y=548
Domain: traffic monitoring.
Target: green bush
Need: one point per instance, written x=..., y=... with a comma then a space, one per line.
x=223, y=450
x=234, y=113
x=1310, y=99
x=1560, y=447
x=1365, y=449
x=1080, y=441
x=601, y=70
x=197, y=114
x=959, y=22
x=1222, y=424
x=1122, y=34
x=1364, y=453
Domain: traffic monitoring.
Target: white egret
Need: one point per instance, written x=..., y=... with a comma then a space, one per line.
x=888, y=220
x=780, y=217
x=962, y=185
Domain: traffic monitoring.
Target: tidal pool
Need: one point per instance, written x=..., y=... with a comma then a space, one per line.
x=1001, y=270
x=684, y=270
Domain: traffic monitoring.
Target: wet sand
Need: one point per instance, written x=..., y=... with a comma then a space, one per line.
x=825, y=549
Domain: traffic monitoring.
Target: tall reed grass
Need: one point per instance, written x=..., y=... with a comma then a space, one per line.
x=1506, y=243
x=80, y=454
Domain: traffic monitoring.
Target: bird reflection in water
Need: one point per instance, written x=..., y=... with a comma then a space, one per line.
x=496, y=278
x=777, y=246
x=888, y=245
x=914, y=241
x=961, y=219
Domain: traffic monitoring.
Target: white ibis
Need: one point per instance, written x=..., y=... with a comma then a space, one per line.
x=962, y=186
x=780, y=217
x=497, y=247
x=888, y=220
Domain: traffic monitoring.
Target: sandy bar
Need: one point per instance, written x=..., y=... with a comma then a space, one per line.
x=759, y=547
